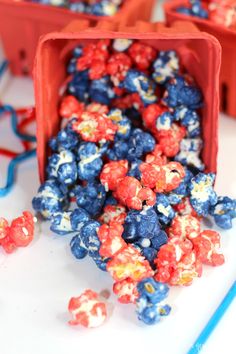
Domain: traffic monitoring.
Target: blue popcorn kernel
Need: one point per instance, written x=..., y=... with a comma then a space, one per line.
x=90, y=162
x=180, y=93
x=101, y=91
x=165, y=66
x=189, y=119
x=123, y=123
x=79, y=85
x=91, y=197
x=136, y=81
x=140, y=224
x=71, y=67
x=148, y=305
x=67, y=138
x=50, y=198
x=64, y=222
x=63, y=166
x=189, y=154
x=119, y=150
x=202, y=194
x=101, y=262
x=139, y=143
x=223, y=212
x=159, y=240
x=150, y=254
x=164, y=210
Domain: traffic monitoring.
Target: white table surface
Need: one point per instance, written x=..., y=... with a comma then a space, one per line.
x=37, y=282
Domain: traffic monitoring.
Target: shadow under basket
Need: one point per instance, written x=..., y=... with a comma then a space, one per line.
x=22, y=23
x=199, y=53
x=227, y=39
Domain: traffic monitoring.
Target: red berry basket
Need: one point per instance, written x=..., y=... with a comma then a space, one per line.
x=22, y=23
x=199, y=52
x=227, y=39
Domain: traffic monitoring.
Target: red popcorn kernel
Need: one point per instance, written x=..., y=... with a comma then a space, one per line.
x=71, y=107
x=111, y=239
x=118, y=66
x=162, y=178
x=130, y=193
x=150, y=115
x=170, y=139
x=128, y=263
x=113, y=213
x=186, y=226
x=126, y=290
x=187, y=269
x=112, y=173
x=22, y=229
x=174, y=174
x=94, y=58
x=142, y=55
x=207, y=246
x=87, y=310
x=7, y=244
x=94, y=127
x=129, y=101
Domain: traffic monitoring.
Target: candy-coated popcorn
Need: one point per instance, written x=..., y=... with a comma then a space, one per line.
x=111, y=239
x=118, y=66
x=94, y=127
x=185, y=226
x=207, y=246
x=223, y=212
x=180, y=92
x=87, y=310
x=202, y=194
x=164, y=121
x=90, y=161
x=70, y=107
x=189, y=119
x=165, y=66
x=19, y=233
x=149, y=305
x=169, y=140
x=67, y=139
x=137, y=82
x=139, y=144
x=197, y=9
x=128, y=263
x=190, y=150
x=142, y=55
x=91, y=197
x=63, y=167
x=115, y=213
x=78, y=248
x=126, y=290
x=223, y=13
x=164, y=210
x=21, y=230
x=177, y=194
x=79, y=85
x=150, y=115
x=64, y=222
x=49, y=199
x=141, y=224
x=102, y=91
x=113, y=173
x=97, y=107
x=130, y=193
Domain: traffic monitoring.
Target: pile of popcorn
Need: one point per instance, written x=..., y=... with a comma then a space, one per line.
x=222, y=12
x=125, y=177
x=90, y=7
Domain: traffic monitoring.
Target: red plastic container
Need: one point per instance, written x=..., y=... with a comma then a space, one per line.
x=22, y=23
x=199, y=52
x=227, y=39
